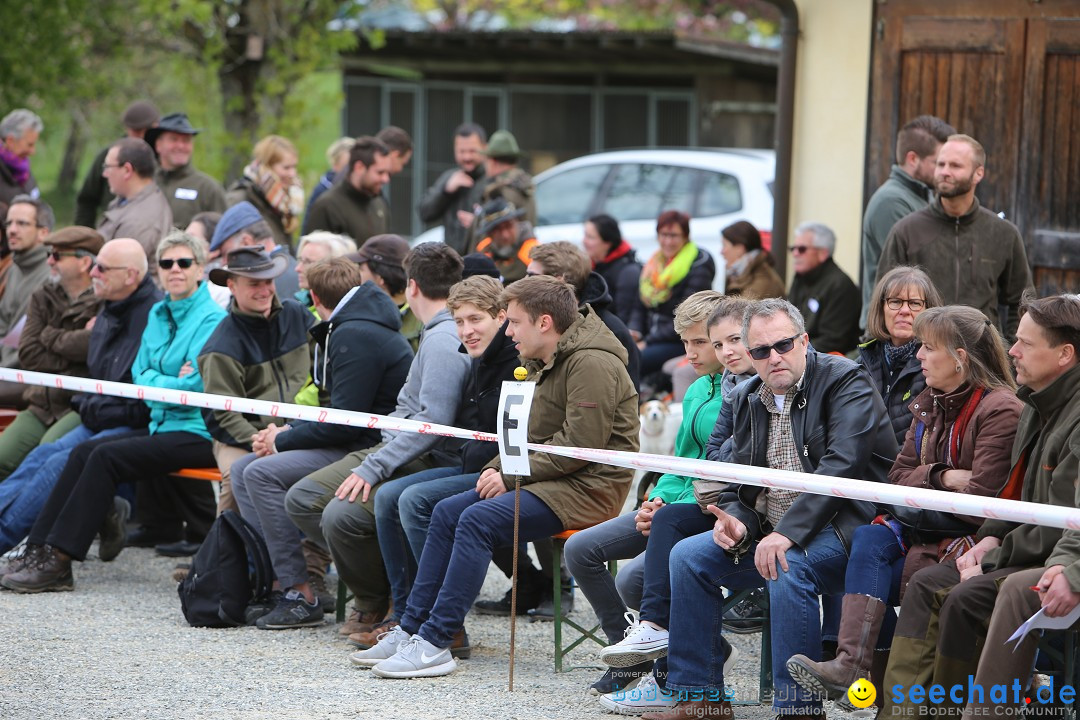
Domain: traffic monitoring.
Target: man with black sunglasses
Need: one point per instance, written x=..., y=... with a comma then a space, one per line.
x=807, y=412
x=827, y=298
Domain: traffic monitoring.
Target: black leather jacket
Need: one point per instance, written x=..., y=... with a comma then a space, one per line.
x=841, y=426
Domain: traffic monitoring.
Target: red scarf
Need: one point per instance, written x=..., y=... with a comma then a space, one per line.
x=622, y=249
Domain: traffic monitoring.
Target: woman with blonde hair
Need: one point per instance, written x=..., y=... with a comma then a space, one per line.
x=271, y=183
x=960, y=440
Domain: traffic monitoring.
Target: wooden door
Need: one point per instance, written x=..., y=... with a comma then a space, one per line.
x=1006, y=72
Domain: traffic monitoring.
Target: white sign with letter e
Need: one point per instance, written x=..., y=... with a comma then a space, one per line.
x=513, y=426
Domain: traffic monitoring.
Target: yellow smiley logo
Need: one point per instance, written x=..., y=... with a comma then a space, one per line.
x=862, y=693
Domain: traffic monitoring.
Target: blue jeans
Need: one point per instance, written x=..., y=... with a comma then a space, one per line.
x=671, y=524
x=464, y=531
x=25, y=491
x=398, y=552
x=699, y=572
x=876, y=568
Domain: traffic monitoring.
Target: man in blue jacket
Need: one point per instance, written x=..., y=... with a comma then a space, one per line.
x=361, y=361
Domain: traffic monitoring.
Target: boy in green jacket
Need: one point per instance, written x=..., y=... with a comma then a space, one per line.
x=624, y=537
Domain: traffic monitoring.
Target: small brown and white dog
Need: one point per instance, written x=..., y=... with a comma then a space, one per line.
x=659, y=424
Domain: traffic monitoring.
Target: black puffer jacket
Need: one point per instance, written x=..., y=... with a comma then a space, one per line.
x=362, y=362
x=622, y=276
x=597, y=294
x=897, y=386
x=658, y=324
x=114, y=342
x=480, y=407
x=839, y=423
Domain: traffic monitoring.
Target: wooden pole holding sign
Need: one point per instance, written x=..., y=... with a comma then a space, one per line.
x=515, y=403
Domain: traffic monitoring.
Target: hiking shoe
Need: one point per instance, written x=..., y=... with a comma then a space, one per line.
x=459, y=646
x=364, y=640
x=45, y=572
x=620, y=678
x=292, y=611
x=359, y=621
x=258, y=608
x=19, y=558
x=642, y=642
x=644, y=697
x=502, y=606
x=417, y=658
x=384, y=649
x=327, y=599
x=113, y=532
x=736, y=617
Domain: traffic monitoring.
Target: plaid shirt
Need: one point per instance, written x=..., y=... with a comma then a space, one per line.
x=782, y=453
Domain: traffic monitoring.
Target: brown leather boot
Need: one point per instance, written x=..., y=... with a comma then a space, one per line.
x=47, y=571
x=359, y=621
x=368, y=638
x=713, y=709
x=860, y=622
x=460, y=647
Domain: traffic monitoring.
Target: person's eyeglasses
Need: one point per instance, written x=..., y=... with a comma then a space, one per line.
x=57, y=254
x=913, y=304
x=167, y=263
x=800, y=249
x=105, y=268
x=780, y=346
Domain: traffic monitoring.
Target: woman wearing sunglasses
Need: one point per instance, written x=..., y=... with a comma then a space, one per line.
x=82, y=501
x=960, y=440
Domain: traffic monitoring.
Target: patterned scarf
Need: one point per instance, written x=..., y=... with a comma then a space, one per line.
x=287, y=200
x=20, y=166
x=660, y=276
x=896, y=357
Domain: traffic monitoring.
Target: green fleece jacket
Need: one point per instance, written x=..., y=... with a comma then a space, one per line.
x=1049, y=430
x=584, y=398
x=701, y=407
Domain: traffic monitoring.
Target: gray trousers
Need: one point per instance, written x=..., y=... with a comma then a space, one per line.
x=259, y=487
x=587, y=554
x=348, y=528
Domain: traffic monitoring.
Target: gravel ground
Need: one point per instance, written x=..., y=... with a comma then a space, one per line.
x=118, y=647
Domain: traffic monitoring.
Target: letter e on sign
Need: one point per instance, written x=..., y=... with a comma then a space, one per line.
x=515, y=403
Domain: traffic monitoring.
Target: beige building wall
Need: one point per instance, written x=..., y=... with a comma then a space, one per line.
x=831, y=92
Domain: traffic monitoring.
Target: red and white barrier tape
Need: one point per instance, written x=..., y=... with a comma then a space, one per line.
x=880, y=493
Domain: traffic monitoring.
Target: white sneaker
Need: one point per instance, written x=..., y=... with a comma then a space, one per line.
x=385, y=648
x=644, y=697
x=417, y=658
x=642, y=642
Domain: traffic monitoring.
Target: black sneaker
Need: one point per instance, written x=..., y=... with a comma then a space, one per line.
x=259, y=608
x=502, y=607
x=617, y=678
x=736, y=618
x=545, y=611
x=292, y=611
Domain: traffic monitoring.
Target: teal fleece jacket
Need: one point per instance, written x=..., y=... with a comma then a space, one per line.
x=701, y=406
x=175, y=334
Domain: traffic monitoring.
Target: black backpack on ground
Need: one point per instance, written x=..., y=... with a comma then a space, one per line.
x=231, y=570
